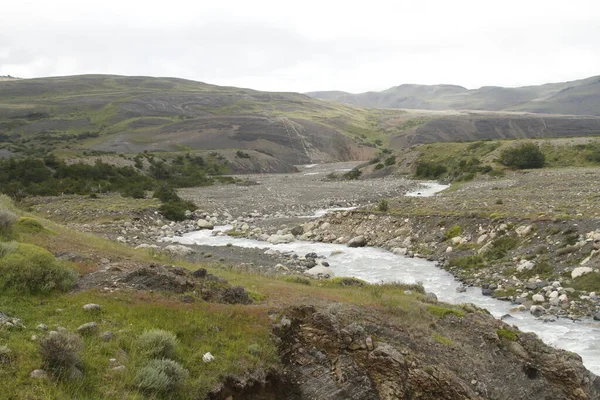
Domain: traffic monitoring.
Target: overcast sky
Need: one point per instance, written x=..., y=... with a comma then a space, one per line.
x=306, y=45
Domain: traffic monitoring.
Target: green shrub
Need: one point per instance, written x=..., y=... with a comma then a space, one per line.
x=506, y=334
x=441, y=312
x=297, y=279
x=157, y=343
x=241, y=154
x=353, y=174
x=500, y=247
x=526, y=155
x=391, y=160
x=254, y=349
x=60, y=352
x=348, y=281
x=175, y=210
x=161, y=377
x=6, y=355
x=379, y=166
x=452, y=232
x=442, y=340
x=28, y=224
x=31, y=269
x=430, y=170
x=383, y=206
x=7, y=219
x=474, y=262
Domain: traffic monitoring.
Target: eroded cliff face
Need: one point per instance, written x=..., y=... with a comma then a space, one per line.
x=346, y=352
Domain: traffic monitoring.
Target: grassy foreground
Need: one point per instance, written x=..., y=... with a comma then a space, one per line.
x=238, y=336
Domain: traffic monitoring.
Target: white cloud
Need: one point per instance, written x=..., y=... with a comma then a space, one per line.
x=312, y=45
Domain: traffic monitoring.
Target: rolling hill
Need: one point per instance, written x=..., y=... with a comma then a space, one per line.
x=97, y=114
x=581, y=97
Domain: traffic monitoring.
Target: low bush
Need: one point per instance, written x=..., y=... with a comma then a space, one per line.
x=7, y=248
x=383, y=206
x=60, y=352
x=353, y=174
x=474, y=262
x=441, y=312
x=28, y=224
x=452, y=232
x=429, y=170
x=524, y=156
x=157, y=343
x=298, y=279
x=500, y=247
x=7, y=219
x=348, y=281
x=161, y=377
x=506, y=334
x=31, y=269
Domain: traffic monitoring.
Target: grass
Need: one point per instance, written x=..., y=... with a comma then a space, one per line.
x=442, y=340
x=506, y=334
x=588, y=282
x=441, y=312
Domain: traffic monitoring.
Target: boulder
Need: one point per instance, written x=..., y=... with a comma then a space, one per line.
x=524, y=230
x=278, y=239
x=88, y=328
x=204, y=224
x=91, y=307
x=178, y=250
x=319, y=270
x=39, y=374
x=538, y=298
x=537, y=311
x=597, y=316
x=358, y=241
x=579, y=271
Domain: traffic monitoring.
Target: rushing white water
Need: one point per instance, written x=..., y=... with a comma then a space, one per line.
x=377, y=265
x=427, y=189
x=322, y=211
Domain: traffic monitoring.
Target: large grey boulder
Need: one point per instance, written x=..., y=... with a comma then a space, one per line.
x=358, y=241
x=204, y=224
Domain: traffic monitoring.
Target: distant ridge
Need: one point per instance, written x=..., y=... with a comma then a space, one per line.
x=580, y=97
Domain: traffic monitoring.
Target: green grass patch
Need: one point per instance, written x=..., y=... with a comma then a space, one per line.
x=442, y=312
x=474, y=262
x=506, y=334
x=442, y=340
x=588, y=282
x=452, y=232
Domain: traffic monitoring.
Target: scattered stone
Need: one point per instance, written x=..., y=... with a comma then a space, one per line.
x=597, y=316
x=88, y=328
x=487, y=291
x=204, y=224
x=107, y=336
x=358, y=241
x=537, y=311
x=538, y=298
x=39, y=374
x=579, y=271
x=523, y=230
x=320, y=270
x=42, y=327
x=92, y=307
x=178, y=250
x=207, y=357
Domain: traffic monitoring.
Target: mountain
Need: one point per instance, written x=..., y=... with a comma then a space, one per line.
x=90, y=114
x=581, y=97
x=133, y=114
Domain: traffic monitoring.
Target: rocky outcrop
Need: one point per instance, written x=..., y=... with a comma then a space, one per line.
x=348, y=353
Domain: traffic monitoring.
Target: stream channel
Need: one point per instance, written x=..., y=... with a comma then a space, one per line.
x=377, y=265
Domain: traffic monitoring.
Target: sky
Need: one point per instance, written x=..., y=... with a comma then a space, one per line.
x=307, y=45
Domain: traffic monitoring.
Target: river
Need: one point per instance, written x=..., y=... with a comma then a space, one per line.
x=377, y=265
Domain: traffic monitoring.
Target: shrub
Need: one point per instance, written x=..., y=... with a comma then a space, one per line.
x=353, y=174
x=157, y=343
x=383, y=206
x=526, y=155
x=391, y=160
x=348, y=281
x=441, y=312
x=298, y=279
x=506, y=334
x=452, y=232
x=60, y=352
x=31, y=269
x=166, y=194
x=161, y=376
x=254, y=349
x=6, y=355
x=467, y=262
x=28, y=224
x=500, y=247
x=241, y=154
x=378, y=166
x=430, y=170
x=175, y=210
x=7, y=219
